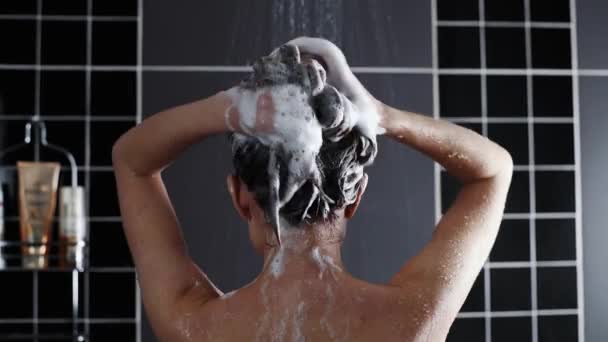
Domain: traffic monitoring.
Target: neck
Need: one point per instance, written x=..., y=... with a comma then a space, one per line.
x=303, y=255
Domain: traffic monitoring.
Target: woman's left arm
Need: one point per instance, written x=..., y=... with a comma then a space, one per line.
x=165, y=270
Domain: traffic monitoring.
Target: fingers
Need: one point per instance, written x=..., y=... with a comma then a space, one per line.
x=331, y=54
x=315, y=77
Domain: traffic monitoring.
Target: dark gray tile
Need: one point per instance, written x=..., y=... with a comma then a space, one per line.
x=112, y=295
x=518, y=198
x=114, y=7
x=55, y=294
x=555, y=191
x=458, y=47
x=557, y=288
x=558, y=328
x=460, y=95
x=18, y=7
x=450, y=187
x=555, y=239
x=552, y=96
x=19, y=47
x=64, y=42
x=103, y=136
x=104, y=200
x=513, y=137
x=505, y=47
x=591, y=31
x=510, y=289
x=553, y=143
x=114, y=43
x=475, y=301
x=462, y=10
x=17, y=88
x=498, y=10
x=64, y=7
x=16, y=294
x=551, y=48
x=16, y=328
x=106, y=332
x=550, y=10
x=507, y=96
x=408, y=92
x=393, y=32
x=512, y=242
x=62, y=92
x=113, y=93
x=509, y=329
x=104, y=234
x=467, y=329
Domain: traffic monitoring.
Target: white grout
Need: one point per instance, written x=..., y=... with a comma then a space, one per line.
x=522, y=313
x=53, y=17
x=139, y=117
x=548, y=119
x=466, y=23
x=530, y=264
x=66, y=320
x=577, y=178
x=88, y=75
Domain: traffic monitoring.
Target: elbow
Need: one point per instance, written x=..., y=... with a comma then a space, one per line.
x=504, y=165
x=118, y=152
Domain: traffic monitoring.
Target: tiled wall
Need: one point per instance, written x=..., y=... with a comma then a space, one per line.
x=73, y=63
x=506, y=72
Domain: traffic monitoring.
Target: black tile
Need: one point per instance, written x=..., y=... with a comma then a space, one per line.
x=510, y=289
x=69, y=135
x=558, y=328
x=555, y=191
x=19, y=47
x=104, y=234
x=460, y=95
x=518, y=198
x=114, y=42
x=55, y=294
x=557, y=288
x=115, y=7
x=555, y=239
x=513, y=137
x=553, y=143
x=475, y=301
x=507, y=96
x=461, y=10
x=104, y=201
x=64, y=7
x=113, y=93
x=513, y=241
x=17, y=89
x=450, y=186
x=109, y=332
x=112, y=295
x=18, y=7
x=512, y=10
x=510, y=329
x=467, y=329
x=505, y=47
x=62, y=93
x=64, y=42
x=458, y=47
x=103, y=136
x=16, y=294
x=550, y=10
x=551, y=48
x=476, y=127
x=552, y=95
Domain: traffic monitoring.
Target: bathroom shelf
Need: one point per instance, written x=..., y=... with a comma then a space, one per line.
x=11, y=257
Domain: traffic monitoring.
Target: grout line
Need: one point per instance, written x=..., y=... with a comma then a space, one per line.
x=436, y=107
x=577, y=178
x=531, y=173
x=54, y=17
x=539, y=216
x=523, y=313
x=66, y=320
x=356, y=69
x=487, y=276
x=481, y=24
x=546, y=119
x=139, y=117
x=526, y=264
x=18, y=117
x=88, y=75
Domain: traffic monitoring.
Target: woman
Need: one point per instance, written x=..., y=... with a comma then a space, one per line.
x=303, y=292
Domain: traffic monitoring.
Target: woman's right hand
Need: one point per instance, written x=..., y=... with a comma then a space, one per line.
x=340, y=76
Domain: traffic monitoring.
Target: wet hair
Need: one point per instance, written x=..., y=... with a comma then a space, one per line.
x=341, y=159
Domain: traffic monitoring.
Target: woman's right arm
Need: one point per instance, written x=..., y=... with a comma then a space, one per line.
x=446, y=268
